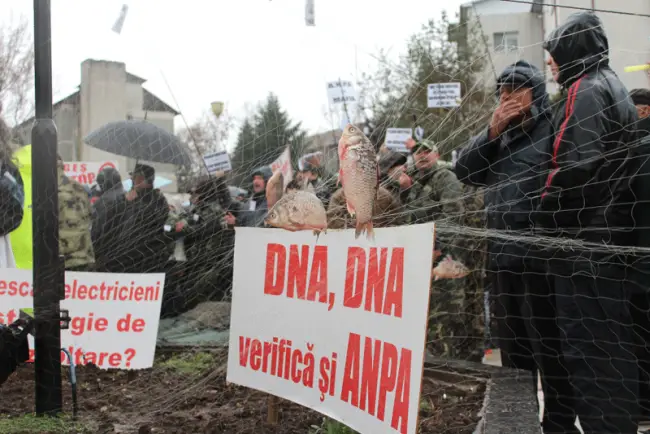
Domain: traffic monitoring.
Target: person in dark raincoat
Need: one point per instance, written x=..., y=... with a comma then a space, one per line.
x=108, y=219
x=586, y=199
x=145, y=244
x=508, y=158
x=640, y=278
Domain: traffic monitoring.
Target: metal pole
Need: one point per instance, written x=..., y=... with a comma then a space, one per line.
x=48, y=271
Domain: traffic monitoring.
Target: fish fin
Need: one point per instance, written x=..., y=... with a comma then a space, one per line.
x=340, y=178
x=367, y=228
x=436, y=278
x=350, y=208
x=317, y=233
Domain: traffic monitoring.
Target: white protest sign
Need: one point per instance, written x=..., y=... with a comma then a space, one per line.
x=396, y=138
x=340, y=92
x=283, y=164
x=85, y=172
x=114, y=316
x=217, y=161
x=337, y=325
x=443, y=95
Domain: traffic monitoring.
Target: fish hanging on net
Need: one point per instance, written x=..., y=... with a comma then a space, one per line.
x=449, y=268
x=274, y=188
x=298, y=211
x=359, y=177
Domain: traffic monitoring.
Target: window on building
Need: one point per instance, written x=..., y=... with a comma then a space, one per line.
x=506, y=41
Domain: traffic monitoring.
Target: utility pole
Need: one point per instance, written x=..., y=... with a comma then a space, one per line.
x=48, y=271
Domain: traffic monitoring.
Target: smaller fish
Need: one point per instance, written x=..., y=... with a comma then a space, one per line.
x=449, y=268
x=298, y=211
x=274, y=188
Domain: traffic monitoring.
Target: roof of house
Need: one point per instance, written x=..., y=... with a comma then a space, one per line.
x=150, y=102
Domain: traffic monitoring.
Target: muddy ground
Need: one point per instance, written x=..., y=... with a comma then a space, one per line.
x=187, y=393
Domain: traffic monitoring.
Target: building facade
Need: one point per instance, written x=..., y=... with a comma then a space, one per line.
x=508, y=31
x=107, y=93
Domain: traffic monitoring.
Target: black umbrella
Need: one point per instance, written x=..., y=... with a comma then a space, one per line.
x=140, y=140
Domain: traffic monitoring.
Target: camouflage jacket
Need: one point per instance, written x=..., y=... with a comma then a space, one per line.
x=75, y=243
x=436, y=195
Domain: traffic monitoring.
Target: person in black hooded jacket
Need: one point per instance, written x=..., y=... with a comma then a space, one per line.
x=587, y=198
x=508, y=158
x=108, y=219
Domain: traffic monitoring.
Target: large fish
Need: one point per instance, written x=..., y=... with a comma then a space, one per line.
x=359, y=176
x=298, y=211
x=274, y=188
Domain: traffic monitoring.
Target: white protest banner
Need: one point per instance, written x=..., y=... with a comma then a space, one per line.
x=335, y=324
x=443, y=95
x=283, y=164
x=85, y=172
x=396, y=138
x=340, y=92
x=114, y=317
x=217, y=161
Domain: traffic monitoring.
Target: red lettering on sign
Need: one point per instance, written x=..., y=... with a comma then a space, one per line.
x=304, y=278
x=387, y=294
x=368, y=389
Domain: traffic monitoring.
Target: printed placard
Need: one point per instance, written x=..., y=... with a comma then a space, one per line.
x=85, y=172
x=396, y=138
x=341, y=92
x=443, y=95
x=114, y=316
x=217, y=161
x=335, y=324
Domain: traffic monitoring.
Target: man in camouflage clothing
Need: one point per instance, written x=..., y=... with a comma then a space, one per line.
x=454, y=315
x=75, y=243
x=209, y=243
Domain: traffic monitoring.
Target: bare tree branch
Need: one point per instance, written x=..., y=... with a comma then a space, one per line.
x=16, y=72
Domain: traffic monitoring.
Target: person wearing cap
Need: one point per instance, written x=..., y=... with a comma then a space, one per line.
x=437, y=196
x=75, y=242
x=143, y=238
x=314, y=176
x=507, y=158
x=108, y=218
x=257, y=206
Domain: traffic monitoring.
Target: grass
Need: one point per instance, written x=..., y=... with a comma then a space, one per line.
x=331, y=426
x=190, y=364
x=32, y=424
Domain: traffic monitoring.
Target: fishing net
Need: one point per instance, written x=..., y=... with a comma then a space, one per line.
x=511, y=305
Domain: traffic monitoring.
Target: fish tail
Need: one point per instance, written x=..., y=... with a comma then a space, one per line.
x=367, y=228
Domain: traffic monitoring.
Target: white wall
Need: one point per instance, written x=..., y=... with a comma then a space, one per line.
x=628, y=36
x=530, y=31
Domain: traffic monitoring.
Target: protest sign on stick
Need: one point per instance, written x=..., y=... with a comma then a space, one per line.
x=443, y=95
x=337, y=325
x=114, y=317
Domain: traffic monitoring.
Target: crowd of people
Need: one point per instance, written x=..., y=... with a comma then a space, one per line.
x=558, y=190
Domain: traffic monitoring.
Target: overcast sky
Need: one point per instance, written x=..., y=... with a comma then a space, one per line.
x=234, y=51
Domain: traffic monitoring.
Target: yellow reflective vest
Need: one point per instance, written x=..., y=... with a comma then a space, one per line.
x=21, y=238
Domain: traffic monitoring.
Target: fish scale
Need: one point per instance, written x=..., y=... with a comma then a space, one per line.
x=359, y=177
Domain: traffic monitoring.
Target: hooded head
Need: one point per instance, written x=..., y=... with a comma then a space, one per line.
x=108, y=178
x=260, y=177
x=578, y=46
x=523, y=75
